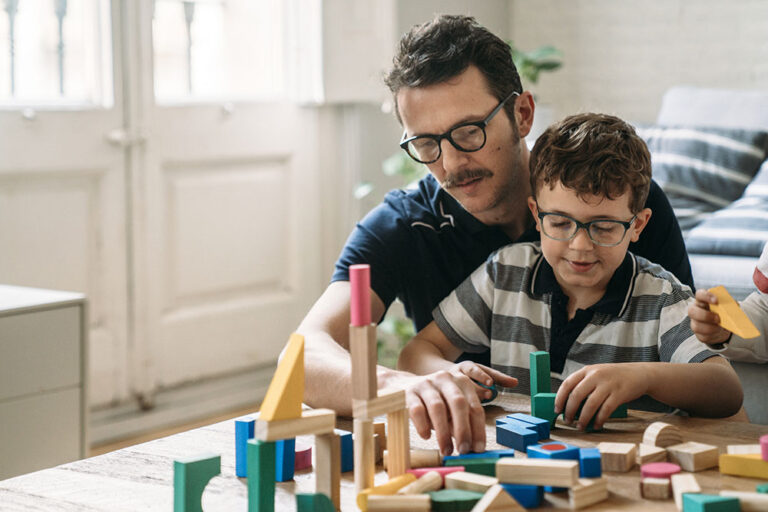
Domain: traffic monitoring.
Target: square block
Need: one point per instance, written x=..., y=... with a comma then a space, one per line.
x=543, y=406
x=620, y=457
x=516, y=435
x=693, y=456
x=590, y=463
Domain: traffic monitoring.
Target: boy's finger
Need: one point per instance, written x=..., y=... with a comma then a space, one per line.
x=706, y=297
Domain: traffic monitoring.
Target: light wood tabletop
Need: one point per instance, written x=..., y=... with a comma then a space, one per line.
x=141, y=477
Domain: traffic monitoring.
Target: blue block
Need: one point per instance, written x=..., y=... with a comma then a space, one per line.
x=347, y=450
x=528, y=496
x=490, y=454
x=244, y=430
x=516, y=435
x=563, y=451
x=589, y=463
x=285, y=457
x=542, y=425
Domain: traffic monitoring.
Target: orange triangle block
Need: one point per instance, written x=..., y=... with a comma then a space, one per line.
x=286, y=391
x=732, y=317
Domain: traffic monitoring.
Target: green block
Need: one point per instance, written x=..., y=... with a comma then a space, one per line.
x=540, y=381
x=619, y=412
x=762, y=488
x=190, y=476
x=543, y=406
x=261, y=476
x=314, y=503
x=710, y=503
x=480, y=466
x=453, y=500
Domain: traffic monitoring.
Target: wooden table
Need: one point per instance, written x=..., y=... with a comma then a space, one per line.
x=141, y=477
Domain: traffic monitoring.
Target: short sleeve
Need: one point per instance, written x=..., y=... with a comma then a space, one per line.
x=677, y=343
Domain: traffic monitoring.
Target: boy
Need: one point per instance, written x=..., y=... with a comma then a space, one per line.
x=579, y=294
x=704, y=323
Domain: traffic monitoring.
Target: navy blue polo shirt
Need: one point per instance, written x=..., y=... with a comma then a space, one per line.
x=421, y=244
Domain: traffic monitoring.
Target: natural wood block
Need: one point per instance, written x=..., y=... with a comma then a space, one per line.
x=693, y=456
x=365, y=465
x=662, y=434
x=750, y=465
x=430, y=481
x=496, y=499
x=732, y=317
x=399, y=502
x=316, y=421
x=398, y=443
x=618, y=457
x=362, y=348
x=441, y=470
x=656, y=488
x=469, y=481
x=384, y=403
x=750, y=501
x=588, y=492
x=741, y=449
x=380, y=429
x=420, y=458
x=555, y=473
x=647, y=453
x=388, y=488
x=682, y=483
x=328, y=467
x=286, y=390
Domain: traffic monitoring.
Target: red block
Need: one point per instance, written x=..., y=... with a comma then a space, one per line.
x=764, y=447
x=303, y=458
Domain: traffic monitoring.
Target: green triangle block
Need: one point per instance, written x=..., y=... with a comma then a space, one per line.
x=190, y=476
x=314, y=503
x=710, y=503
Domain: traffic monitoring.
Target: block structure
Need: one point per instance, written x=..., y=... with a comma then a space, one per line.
x=557, y=451
x=190, y=476
x=693, y=456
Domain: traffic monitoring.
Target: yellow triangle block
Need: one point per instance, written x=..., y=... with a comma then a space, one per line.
x=496, y=499
x=286, y=391
x=732, y=317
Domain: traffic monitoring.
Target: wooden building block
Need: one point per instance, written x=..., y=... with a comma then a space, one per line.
x=662, y=434
x=303, y=458
x=380, y=429
x=429, y=481
x=647, y=453
x=190, y=476
x=732, y=317
x=517, y=435
x=558, y=473
x=488, y=454
x=528, y=496
x=764, y=447
x=740, y=449
x=683, y=483
x=347, y=450
x=399, y=502
x=244, y=428
x=762, y=488
x=588, y=492
x=618, y=457
x=469, y=481
x=496, y=499
x=362, y=348
x=261, y=476
x=750, y=501
x=285, y=458
x=485, y=467
x=420, y=458
x=709, y=503
x=388, y=488
x=543, y=406
x=384, y=403
x=454, y=500
x=441, y=470
x=365, y=465
x=316, y=421
x=659, y=470
x=398, y=443
x=656, y=488
x=328, y=466
x=693, y=456
x=590, y=465
x=540, y=425
x=560, y=451
x=378, y=451
x=306, y=502
x=750, y=464
x=286, y=390
x=540, y=373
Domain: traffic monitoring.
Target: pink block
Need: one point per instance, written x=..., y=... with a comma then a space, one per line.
x=443, y=470
x=659, y=469
x=360, y=295
x=303, y=458
x=764, y=447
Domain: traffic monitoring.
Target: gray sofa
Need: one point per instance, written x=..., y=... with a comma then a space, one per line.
x=724, y=243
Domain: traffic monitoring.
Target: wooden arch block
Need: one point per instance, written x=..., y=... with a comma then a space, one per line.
x=190, y=476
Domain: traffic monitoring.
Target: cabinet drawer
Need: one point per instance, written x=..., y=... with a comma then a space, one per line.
x=39, y=351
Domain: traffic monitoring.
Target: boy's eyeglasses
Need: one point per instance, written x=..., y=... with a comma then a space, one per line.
x=605, y=233
x=467, y=137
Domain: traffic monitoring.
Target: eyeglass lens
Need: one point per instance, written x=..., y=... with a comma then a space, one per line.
x=468, y=137
x=603, y=232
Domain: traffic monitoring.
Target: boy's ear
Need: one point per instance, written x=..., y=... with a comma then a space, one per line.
x=534, y=211
x=639, y=225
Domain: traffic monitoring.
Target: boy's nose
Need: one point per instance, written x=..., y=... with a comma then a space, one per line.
x=581, y=240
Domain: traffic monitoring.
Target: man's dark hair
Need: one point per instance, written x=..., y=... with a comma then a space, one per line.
x=443, y=48
x=593, y=154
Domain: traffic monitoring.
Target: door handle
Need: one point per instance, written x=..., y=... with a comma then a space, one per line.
x=122, y=138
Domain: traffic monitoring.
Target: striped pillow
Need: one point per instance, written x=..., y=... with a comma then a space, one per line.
x=703, y=169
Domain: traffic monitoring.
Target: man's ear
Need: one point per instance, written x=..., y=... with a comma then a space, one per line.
x=534, y=211
x=639, y=225
x=524, y=107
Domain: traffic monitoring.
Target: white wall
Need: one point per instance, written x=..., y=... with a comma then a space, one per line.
x=620, y=55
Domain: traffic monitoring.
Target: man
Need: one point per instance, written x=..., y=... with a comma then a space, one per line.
x=460, y=101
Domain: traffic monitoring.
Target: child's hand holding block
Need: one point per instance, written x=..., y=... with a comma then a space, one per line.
x=731, y=315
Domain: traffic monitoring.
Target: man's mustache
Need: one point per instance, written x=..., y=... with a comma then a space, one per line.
x=465, y=176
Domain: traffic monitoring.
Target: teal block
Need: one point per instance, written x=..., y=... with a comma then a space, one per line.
x=543, y=406
x=540, y=378
x=479, y=466
x=710, y=503
x=453, y=500
x=261, y=476
x=190, y=476
x=763, y=488
x=314, y=503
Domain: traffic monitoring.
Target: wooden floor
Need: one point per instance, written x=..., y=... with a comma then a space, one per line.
x=109, y=447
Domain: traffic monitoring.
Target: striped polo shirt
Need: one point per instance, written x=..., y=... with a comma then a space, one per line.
x=503, y=306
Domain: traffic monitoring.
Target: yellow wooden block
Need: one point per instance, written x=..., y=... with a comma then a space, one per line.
x=732, y=317
x=749, y=464
x=286, y=391
x=389, y=488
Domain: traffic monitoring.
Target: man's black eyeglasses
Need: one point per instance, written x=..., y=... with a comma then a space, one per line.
x=467, y=137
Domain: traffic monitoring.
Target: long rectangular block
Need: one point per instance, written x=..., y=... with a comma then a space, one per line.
x=362, y=348
x=516, y=435
x=540, y=373
x=244, y=430
x=285, y=458
x=480, y=466
x=328, y=467
x=683, y=483
x=750, y=501
x=558, y=473
x=399, y=502
x=469, y=481
x=709, y=503
x=261, y=476
x=750, y=465
x=317, y=421
x=365, y=465
x=555, y=450
x=384, y=403
x=398, y=442
x=347, y=450
x=489, y=454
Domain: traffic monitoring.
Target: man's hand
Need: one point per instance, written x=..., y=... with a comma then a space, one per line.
x=602, y=388
x=705, y=323
x=448, y=402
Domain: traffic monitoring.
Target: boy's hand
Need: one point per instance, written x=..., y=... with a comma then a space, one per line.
x=602, y=388
x=705, y=323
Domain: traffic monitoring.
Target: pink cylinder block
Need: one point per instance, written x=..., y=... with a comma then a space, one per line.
x=443, y=470
x=360, y=295
x=659, y=470
x=764, y=447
